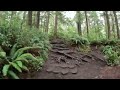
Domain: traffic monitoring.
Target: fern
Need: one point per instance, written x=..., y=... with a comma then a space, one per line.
x=27, y=56
x=16, y=66
x=16, y=59
x=77, y=40
x=13, y=50
x=11, y=73
x=19, y=63
x=112, y=56
x=5, y=69
x=25, y=68
x=21, y=51
x=22, y=59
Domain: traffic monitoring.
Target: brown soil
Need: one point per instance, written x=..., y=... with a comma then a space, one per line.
x=66, y=62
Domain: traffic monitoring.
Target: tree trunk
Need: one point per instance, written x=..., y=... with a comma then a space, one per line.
x=117, y=27
x=105, y=24
x=30, y=19
x=11, y=18
x=108, y=24
x=44, y=25
x=113, y=24
x=87, y=23
x=38, y=19
x=79, y=23
x=47, y=23
x=34, y=18
x=23, y=19
x=56, y=23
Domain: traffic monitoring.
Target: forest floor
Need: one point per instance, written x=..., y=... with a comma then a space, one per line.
x=66, y=62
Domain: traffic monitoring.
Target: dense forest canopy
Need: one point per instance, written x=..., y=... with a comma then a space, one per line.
x=96, y=18
x=67, y=20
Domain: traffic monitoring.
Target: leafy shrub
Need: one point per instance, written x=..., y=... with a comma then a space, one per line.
x=108, y=42
x=23, y=44
x=35, y=38
x=105, y=42
x=71, y=37
x=112, y=55
x=77, y=40
x=8, y=37
x=95, y=42
x=11, y=35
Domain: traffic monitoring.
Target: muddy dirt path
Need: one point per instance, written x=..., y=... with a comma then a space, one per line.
x=67, y=63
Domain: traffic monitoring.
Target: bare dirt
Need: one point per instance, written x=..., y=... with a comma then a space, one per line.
x=66, y=62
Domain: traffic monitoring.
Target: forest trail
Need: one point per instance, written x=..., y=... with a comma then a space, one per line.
x=65, y=62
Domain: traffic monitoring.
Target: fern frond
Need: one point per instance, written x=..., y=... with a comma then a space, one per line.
x=13, y=50
x=19, y=63
x=21, y=50
x=27, y=56
x=16, y=66
x=5, y=69
x=22, y=59
x=25, y=68
x=11, y=73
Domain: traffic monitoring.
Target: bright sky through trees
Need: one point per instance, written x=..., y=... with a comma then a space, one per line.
x=70, y=14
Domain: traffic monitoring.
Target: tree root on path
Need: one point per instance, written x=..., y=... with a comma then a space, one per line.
x=60, y=48
x=98, y=58
x=65, y=54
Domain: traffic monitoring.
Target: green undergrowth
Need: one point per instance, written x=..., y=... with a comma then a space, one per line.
x=22, y=51
x=105, y=42
x=111, y=50
x=72, y=38
x=112, y=54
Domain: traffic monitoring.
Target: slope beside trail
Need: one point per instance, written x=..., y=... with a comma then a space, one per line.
x=65, y=62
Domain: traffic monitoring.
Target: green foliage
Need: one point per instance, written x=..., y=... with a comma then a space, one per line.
x=18, y=61
x=12, y=74
x=22, y=59
x=5, y=69
x=35, y=38
x=24, y=68
x=36, y=65
x=2, y=54
x=113, y=42
x=14, y=64
x=77, y=40
x=112, y=55
x=20, y=51
x=84, y=49
x=13, y=50
x=8, y=36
